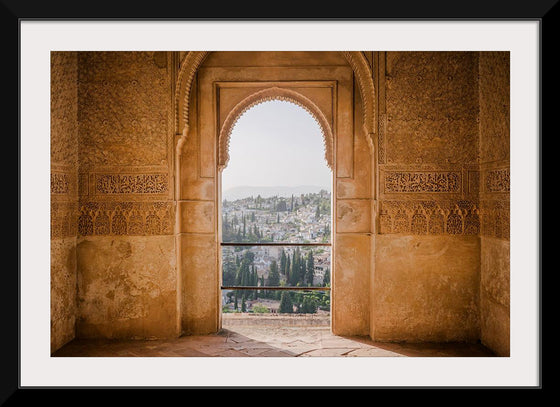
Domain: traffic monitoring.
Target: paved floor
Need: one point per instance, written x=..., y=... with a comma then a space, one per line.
x=266, y=341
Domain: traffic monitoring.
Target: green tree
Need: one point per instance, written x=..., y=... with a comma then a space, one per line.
x=260, y=309
x=229, y=272
x=292, y=204
x=273, y=275
x=288, y=269
x=310, y=268
x=326, y=277
x=286, y=305
x=309, y=305
x=281, y=206
x=283, y=262
x=294, y=270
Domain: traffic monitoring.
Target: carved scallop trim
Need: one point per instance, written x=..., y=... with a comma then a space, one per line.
x=357, y=61
x=189, y=66
x=364, y=77
x=267, y=95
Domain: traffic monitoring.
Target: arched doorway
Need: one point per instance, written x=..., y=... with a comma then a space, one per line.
x=276, y=213
x=211, y=93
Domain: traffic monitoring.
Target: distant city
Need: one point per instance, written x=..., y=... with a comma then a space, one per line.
x=279, y=218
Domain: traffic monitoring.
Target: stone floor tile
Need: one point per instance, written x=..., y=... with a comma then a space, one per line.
x=372, y=352
x=328, y=352
x=265, y=340
x=188, y=352
x=275, y=353
x=228, y=353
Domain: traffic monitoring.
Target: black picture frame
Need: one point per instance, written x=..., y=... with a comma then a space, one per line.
x=13, y=12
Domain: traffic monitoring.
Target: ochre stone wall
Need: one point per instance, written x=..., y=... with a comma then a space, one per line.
x=64, y=195
x=426, y=277
x=494, y=197
x=427, y=288
x=127, y=283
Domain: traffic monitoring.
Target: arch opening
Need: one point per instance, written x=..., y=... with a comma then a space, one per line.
x=276, y=184
x=275, y=94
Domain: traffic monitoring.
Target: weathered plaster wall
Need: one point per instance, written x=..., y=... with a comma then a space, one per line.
x=426, y=278
x=127, y=287
x=494, y=196
x=64, y=197
x=353, y=227
x=126, y=248
x=427, y=288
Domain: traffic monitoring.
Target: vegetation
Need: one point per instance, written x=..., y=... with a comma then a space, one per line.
x=251, y=221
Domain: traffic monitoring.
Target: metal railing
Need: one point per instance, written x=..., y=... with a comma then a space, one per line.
x=274, y=288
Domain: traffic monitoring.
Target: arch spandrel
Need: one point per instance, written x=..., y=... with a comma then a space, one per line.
x=356, y=60
x=266, y=95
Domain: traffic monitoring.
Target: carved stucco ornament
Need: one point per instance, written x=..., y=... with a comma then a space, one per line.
x=194, y=59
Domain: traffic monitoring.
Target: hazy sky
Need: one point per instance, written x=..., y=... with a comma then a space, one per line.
x=276, y=143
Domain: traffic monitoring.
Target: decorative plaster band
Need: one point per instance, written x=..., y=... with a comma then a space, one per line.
x=126, y=218
x=63, y=219
x=495, y=219
x=435, y=181
x=59, y=183
x=429, y=217
x=131, y=183
x=497, y=180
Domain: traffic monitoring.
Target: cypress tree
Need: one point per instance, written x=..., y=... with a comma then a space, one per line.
x=243, y=304
x=292, y=204
x=326, y=277
x=288, y=269
x=286, y=306
x=310, y=268
x=283, y=262
x=273, y=275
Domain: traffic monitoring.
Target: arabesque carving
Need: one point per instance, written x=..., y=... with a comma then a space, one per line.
x=425, y=181
x=126, y=218
x=381, y=138
x=63, y=219
x=131, y=183
x=356, y=59
x=126, y=117
x=431, y=101
x=442, y=217
x=59, y=183
x=495, y=219
x=497, y=180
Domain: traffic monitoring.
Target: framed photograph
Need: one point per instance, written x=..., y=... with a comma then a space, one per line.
x=221, y=203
